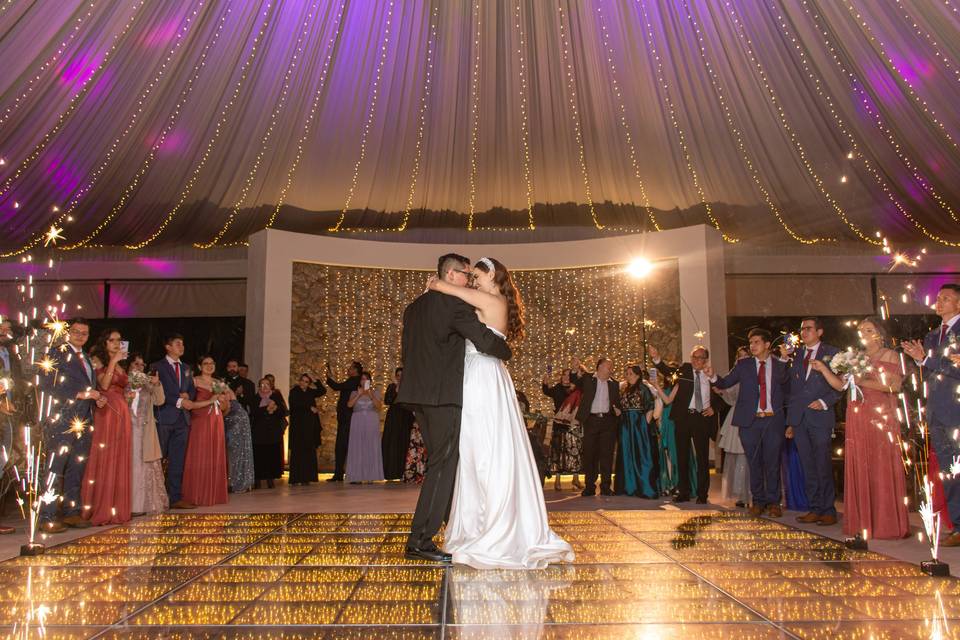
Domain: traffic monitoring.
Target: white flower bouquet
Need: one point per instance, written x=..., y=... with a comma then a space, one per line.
x=138, y=380
x=219, y=387
x=850, y=363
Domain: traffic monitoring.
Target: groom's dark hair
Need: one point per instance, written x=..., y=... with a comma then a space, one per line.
x=450, y=261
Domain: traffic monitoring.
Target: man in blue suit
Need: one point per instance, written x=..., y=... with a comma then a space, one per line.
x=759, y=413
x=173, y=421
x=943, y=409
x=73, y=385
x=810, y=422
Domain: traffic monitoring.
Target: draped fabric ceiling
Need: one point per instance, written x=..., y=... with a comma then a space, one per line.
x=152, y=122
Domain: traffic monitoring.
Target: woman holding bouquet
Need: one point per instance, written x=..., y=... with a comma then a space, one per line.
x=205, y=466
x=874, y=482
x=148, y=493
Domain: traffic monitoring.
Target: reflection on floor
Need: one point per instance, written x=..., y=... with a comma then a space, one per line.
x=638, y=574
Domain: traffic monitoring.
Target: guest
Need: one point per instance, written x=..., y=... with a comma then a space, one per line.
x=536, y=425
x=695, y=417
x=243, y=388
x=396, y=431
x=811, y=419
x=71, y=382
x=205, y=466
x=106, y=480
x=759, y=413
x=236, y=424
x=416, y=463
x=735, y=482
x=936, y=357
x=11, y=396
x=147, y=491
x=268, y=424
x=566, y=437
x=637, y=469
x=344, y=413
x=669, y=468
x=559, y=392
x=304, y=430
x=874, y=482
x=173, y=419
x=364, y=457
x=598, y=413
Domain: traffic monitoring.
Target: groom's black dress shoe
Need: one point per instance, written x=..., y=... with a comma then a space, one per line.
x=681, y=498
x=433, y=555
x=586, y=493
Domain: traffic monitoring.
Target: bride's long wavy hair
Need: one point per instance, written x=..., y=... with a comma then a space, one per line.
x=504, y=282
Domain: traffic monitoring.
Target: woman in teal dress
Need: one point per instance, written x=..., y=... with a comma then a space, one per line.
x=668, y=442
x=637, y=459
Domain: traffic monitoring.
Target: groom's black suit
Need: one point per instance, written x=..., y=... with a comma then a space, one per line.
x=434, y=328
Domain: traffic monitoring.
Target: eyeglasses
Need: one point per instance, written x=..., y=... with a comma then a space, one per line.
x=469, y=274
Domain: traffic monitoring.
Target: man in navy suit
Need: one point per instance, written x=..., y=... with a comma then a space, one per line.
x=760, y=415
x=810, y=422
x=73, y=385
x=943, y=409
x=173, y=421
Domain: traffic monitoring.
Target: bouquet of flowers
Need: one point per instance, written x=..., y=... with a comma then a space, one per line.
x=850, y=363
x=138, y=380
x=219, y=387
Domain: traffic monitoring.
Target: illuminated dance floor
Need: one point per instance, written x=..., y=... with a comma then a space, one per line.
x=638, y=574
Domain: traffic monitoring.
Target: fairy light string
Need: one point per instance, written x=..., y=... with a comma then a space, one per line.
x=75, y=200
x=738, y=28
x=524, y=114
x=570, y=82
x=474, y=114
x=268, y=133
x=622, y=118
x=72, y=104
x=737, y=135
x=855, y=152
x=949, y=65
x=367, y=125
x=675, y=122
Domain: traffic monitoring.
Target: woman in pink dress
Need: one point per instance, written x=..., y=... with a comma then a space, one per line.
x=106, y=480
x=874, y=476
x=205, y=466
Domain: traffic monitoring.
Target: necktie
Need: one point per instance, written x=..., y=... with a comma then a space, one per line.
x=806, y=364
x=697, y=393
x=86, y=365
x=943, y=332
x=176, y=368
x=762, y=381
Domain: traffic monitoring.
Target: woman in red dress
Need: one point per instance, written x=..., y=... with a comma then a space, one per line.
x=205, y=466
x=874, y=482
x=106, y=480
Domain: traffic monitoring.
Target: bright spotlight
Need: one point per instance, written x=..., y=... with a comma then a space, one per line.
x=640, y=268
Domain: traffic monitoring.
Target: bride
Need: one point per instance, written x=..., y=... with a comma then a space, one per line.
x=498, y=519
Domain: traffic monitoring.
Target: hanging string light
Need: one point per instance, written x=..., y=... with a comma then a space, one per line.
x=622, y=118
x=268, y=14
x=674, y=121
x=571, y=84
x=474, y=114
x=268, y=134
x=49, y=64
x=910, y=91
x=72, y=105
x=738, y=28
x=942, y=57
x=738, y=136
x=147, y=163
x=524, y=116
x=311, y=115
x=855, y=152
x=112, y=149
x=371, y=114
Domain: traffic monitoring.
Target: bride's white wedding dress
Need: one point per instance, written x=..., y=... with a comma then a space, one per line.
x=498, y=519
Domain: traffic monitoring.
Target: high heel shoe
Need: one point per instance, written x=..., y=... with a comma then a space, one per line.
x=556, y=483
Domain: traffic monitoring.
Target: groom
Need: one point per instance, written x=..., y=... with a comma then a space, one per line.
x=434, y=328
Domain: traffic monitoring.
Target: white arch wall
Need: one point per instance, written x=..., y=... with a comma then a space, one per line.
x=698, y=250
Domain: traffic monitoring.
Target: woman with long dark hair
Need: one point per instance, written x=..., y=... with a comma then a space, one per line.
x=637, y=451
x=498, y=518
x=874, y=481
x=396, y=431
